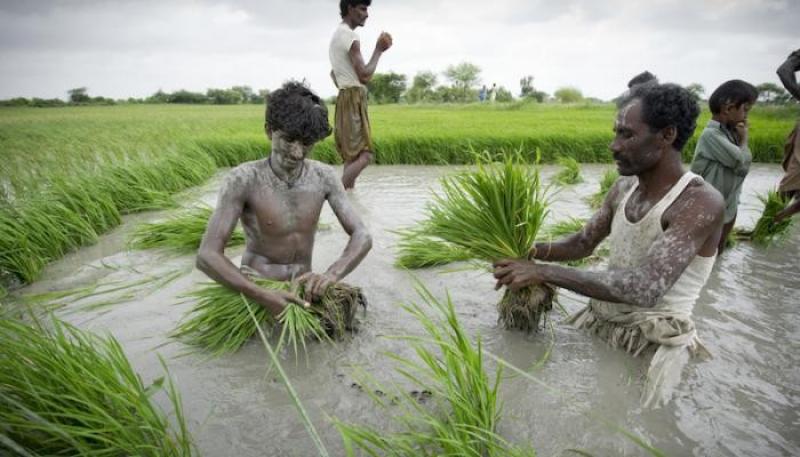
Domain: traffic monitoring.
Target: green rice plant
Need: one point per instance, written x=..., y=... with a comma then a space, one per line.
x=570, y=171
x=417, y=250
x=565, y=227
x=181, y=233
x=219, y=324
x=449, y=365
x=494, y=212
x=64, y=391
x=767, y=231
x=609, y=178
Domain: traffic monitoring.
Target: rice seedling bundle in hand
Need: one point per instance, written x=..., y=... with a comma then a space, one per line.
x=491, y=213
x=220, y=324
x=767, y=231
x=417, y=250
x=64, y=391
x=570, y=171
x=181, y=233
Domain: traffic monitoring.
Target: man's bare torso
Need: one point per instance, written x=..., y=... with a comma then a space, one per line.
x=280, y=218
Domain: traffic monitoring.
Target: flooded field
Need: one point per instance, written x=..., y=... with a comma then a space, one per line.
x=743, y=402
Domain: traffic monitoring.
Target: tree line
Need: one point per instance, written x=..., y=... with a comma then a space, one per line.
x=462, y=83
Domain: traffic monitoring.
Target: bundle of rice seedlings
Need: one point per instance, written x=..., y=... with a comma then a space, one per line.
x=491, y=213
x=609, y=178
x=64, y=391
x=767, y=231
x=570, y=171
x=219, y=324
x=181, y=233
x=463, y=420
x=417, y=250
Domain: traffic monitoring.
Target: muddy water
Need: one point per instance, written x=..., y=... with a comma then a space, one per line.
x=742, y=402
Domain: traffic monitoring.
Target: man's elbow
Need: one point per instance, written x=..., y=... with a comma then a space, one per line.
x=367, y=242
x=202, y=261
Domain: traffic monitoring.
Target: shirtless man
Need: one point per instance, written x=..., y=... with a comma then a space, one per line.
x=663, y=226
x=790, y=184
x=278, y=200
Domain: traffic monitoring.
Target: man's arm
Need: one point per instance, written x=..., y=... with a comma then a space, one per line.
x=722, y=150
x=693, y=221
x=357, y=247
x=786, y=72
x=211, y=258
x=583, y=243
x=365, y=71
x=792, y=209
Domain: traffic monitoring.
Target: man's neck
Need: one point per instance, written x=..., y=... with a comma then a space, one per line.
x=350, y=23
x=657, y=181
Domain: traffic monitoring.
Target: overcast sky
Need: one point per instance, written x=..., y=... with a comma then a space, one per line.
x=132, y=48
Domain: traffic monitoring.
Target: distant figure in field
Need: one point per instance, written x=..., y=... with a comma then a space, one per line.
x=790, y=184
x=278, y=201
x=644, y=77
x=662, y=223
x=493, y=93
x=721, y=155
x=350, y=75
x=482, y=94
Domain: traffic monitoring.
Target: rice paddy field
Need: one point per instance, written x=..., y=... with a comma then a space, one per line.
x=77, y=184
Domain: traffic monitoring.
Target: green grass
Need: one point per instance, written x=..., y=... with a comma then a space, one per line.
x=180, y=233
x=570, y=172
x=68, y=174
x=64, y=391
x=464, y=418
x=491, y=213
x=218, y=323
x=606, y=182
x=767, y=231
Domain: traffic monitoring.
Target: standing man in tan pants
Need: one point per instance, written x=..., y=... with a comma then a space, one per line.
x=350, y=75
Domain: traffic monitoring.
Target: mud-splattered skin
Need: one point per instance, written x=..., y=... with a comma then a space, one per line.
x=279, y=200
x=691, y=224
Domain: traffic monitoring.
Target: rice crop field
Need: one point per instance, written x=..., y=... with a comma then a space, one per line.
x=67, y=175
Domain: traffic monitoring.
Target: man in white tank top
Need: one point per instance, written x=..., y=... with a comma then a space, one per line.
x=350, y=75
x=663, y=225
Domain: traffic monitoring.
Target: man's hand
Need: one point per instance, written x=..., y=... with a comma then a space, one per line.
x=516, y=274
x=384, y=42
x=275, y=301
x=741, y=132
x=316, y=284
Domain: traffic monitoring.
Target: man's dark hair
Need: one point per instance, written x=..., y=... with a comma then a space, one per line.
x=735, y=91
x=343, y=4
x=298, y=113
x=642, y=78
x=667, y=105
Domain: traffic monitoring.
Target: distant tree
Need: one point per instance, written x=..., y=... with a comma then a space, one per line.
x=463, y=77
x=245, y=93
x=422, y=88
x=159, y=97
x=79, y=95
x=224, y=96
x=386, y=87
x=526, y=86
x=184, y=96
x=568, y=95
x=697, y=90
x=771, y=93
x=504, y=95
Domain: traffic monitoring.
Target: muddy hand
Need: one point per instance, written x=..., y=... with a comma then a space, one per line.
x=516, y=274
x=384, y=41
x=315, y=284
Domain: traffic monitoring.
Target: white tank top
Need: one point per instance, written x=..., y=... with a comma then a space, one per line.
x=630, y=242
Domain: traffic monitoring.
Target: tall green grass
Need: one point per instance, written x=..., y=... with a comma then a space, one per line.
x=767, y=231
x=68, y=174
x=181, y=233
x=64, y=391
x=606, y=182
x=449, y=365
x=570, y=172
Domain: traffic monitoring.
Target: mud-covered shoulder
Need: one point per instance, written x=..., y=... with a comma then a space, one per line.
x=241, y=177
x=323, y=174
x=699, y=198
x=621, y=186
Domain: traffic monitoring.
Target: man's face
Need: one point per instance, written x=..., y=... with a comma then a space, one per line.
x=735, y=115
x=288, y=153
x=635, y=148
x=358, y=14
